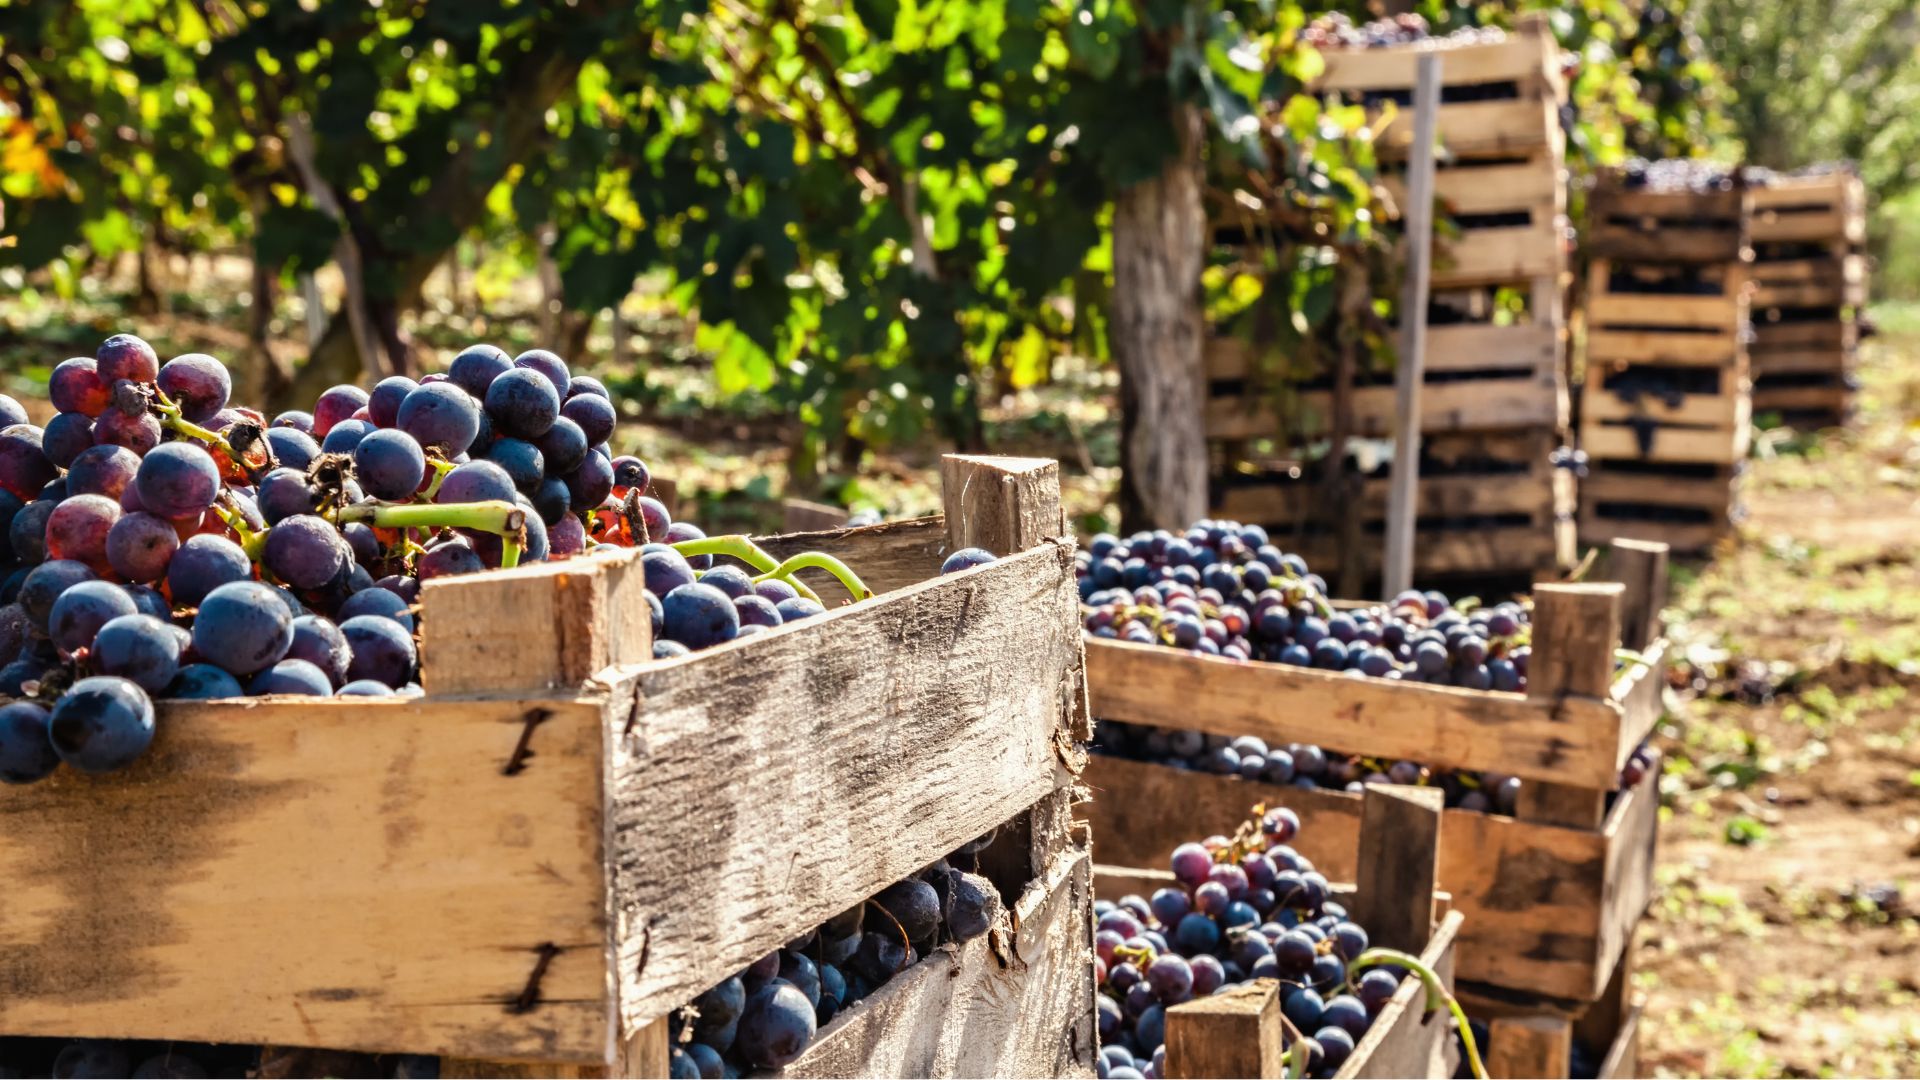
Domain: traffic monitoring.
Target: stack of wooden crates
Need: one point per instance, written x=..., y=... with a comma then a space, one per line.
x=1665, y=414
x=1810, y=283
x=1494, y=397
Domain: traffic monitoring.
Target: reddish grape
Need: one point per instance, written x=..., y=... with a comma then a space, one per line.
x=124, y=356
x=139, y=433
x=76, y=386
x=197, y=383
x=140, y=546
x=78, y=527
x=336, y=404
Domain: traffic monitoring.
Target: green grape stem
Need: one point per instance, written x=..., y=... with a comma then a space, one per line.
x=1436, y=995
x=494, y=516
x=820, y=560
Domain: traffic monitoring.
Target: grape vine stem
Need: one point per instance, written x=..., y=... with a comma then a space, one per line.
x=1436, y=995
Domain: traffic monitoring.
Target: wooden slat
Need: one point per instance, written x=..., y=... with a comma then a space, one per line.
x=1833, y=335
x=1002, y=504
x=1498, y=128
x=1703, y=410
x=1445, y=407
x=1440, y=725
x=1499, y=255
x=1609, y=199
x=1234, y=1033
x=888, y=556
x=1522, y=57
x=1470, y=188
x=362, y=874
x=971, y=681
x=1439, y=552
x=1406, y=1040
x=1623, y=1054
x=1721, y=313
x=1531, y=346
x=590, y=612
x=1522, y=1047
x=1657, y=347
x=1574, y=630
x=1716, y=494
x=1765, y=362
x=1019, y=1008
x=1688, y=539
x=1788, y=398
x=1466, y=495
x=1642, y=568
x=1665, y=243
x=1712, y=446
x=1398, y=864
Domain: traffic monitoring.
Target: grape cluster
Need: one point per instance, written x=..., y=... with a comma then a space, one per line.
x=1222, y=589
x=1304, y=765
x=1677, y=175
x=159, y=541
x=1337, y=30
x=766, y=1016
x=1247, y=907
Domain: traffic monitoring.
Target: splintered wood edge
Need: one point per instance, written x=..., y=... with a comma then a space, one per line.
x=1574, y=740
x=947, y=643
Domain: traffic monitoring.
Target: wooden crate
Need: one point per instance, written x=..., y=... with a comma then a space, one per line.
x=1810, y=209
x=1687, y=507
x=566, y=840
x=1821, y=281
x=1535, y=1036
x=1547, y=894
x=1643, y=225
x=1501, y=507
x=1238, y=1033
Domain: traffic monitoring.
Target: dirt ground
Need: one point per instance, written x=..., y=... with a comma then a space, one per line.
x=1785, y=934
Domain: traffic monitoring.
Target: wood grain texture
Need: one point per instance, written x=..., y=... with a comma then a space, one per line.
x=1002, y=504
x=1574, y=631
x=1016, y=1002
x=359, y=874
x=1528, y=346
x=585, y=615
x=940, y=712
x=1398, y=864
x=1234, y=1033
x=801, y=515
x=1641, y=568
x=1519, y=1047
x=1574, y=741
x=888, y=557
x=1623, y=1054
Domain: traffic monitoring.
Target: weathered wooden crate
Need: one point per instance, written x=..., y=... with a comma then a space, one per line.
x=1687, y=507
x=1645, y=225
x=1499, y=506
x=1548, y=894
x=1810, y=209
x=565, y=840
x=1238, y=1033
x=1534, y=1036
x=1815, y=281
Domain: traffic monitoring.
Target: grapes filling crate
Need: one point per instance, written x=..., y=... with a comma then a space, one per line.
x=566, y=840
x=1239, y=1033
x=1666, y=412
x=1497, y=331
x=1810, y=283
x=1551, y=893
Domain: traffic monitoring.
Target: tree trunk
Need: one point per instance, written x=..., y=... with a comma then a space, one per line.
x=1156, y=334
x=266, y=376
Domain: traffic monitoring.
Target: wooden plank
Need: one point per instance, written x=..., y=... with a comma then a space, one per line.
x=1723, y=207
x=1500, y=255
x=1633, y=831
x=1704, y=410
x=1234, y=1033
x=1498, y=128
x=1718, y=495
x=1601, y=1023
x=1529, y=1046
x=1470, y=187
x=1641, y=568
x=1688, y=539
x=1406, y=1040
x=1444, y=726
x=1464, y=495
x=1660, y=347
x=1574, y=630
x=363, y=874
x=888, y=557
x=1399, y=853
x=1410, y=371
x=1521, y=57
x=1699, y=243
x=1447, y=551
x=1015, y=1002
x=1787, y=398
x=1002, y=504
x=802, y=515
x=1458, y=347
x=1534, y=401
x=1707, y=446
x=1832, y=335
x=594, y=606
x=1638, y=690
x=1623, y=1055
x=1794, y=361
x=972, y=679
x=1721, y=313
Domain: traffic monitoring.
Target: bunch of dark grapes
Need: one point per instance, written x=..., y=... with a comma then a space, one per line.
x=1247, y=907
x=766, y=1016
x=1677, y=175
x=1222, y=589
x=159, y=541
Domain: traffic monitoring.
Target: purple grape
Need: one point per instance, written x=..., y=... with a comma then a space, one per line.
x=966, y=559
x=521, y=460
x=291, y=677
x=564, y=446
x=242, y=627
x=203, y=682
x=76, y=387
x=24, y=468
x=592, y=414
x=138, y=433
x=389, y=465
x=589, y=484
x=177, y=481
x=365, y=688
x=631, y=472
x=26, y=751
x=305, y=551
x=548, y=365
x=319, y=642
x=285, y=493
x=586, y=384
x=382, y=650
x=448, y=560
x=755, y=610
x=292, y=448
x=1170, y=906
x=440, y=414
x=522, y=404
x=376, y=601
x=1192, y=865
x=203, y=564
x=139, y=648
x=336, y=404
x=197, y=383
x=102, y=723
x=1171, y=978
x=775, y=590
x=798, y=608
x=68, y=435
x=1375, y=988
x=475, y=481
x=345, y=435
x=665, y=570
x=383, y=404
x=124, y=356
x=77, y=529
x=775, y=1026
x=45, y=584
x=476, y=367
